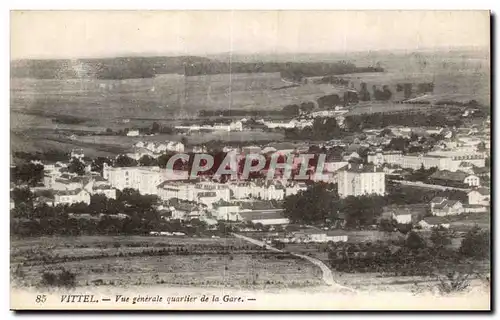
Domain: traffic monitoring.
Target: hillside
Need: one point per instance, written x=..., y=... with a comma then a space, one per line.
x=148, y=67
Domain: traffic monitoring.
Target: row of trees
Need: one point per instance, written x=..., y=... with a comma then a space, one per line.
x=320, y=204
x=412, y=256
x=356, y=123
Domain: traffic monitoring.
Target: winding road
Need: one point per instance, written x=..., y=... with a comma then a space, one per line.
x=327, y=272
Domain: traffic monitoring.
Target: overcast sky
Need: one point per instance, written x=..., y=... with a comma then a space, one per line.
x=73, y=34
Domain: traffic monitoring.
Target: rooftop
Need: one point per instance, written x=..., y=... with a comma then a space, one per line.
x=260, y=215
x=362, y=168
x=482, y=191
x=448, y=175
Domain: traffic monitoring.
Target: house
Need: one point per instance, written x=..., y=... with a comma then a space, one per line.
x=335, y=166
x=65, y=182
x=443, y=207
x=184, y=209
x=351, y=156
x=42, y=200
x=466, y=167
x=138, y=153
x=454, y=179
x=104, y=189
x=226, y=211
x=482, y=172
x=474, y=208
x=71, y=196
x=77, y=153
x=479, y=196
x=405, y=214
x=251, y=150
x=175, y=146
x=133, y=133
x=265, y=217
x=199, y=149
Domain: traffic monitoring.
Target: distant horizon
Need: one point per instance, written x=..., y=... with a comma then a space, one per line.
x=262, y=53
x=94, y=34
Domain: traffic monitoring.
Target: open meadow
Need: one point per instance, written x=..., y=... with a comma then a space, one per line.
x=143, y=260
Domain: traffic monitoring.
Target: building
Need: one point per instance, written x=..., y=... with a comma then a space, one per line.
x=265, y=217
x=335, y=166
x=63, y=182
x=404, y=214
x=233, y=126
x=201, y=192
x=443, y=207
x=71, y=196
x=443, y=160
x=378, y=158
x=155, y=149
x=457, y=156
x=77, y=153
x=105, y=190
x=351, y=156
x=457, y=179
x=133, y=133
x=267, y=190
x=143, y=179
x=358, y=179
x=226, y=211
x=479, y=196
x=241, y=189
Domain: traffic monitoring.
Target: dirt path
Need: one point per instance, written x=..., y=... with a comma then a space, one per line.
x=327, y=272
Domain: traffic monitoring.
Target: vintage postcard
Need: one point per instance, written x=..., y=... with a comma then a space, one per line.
x=250, y=160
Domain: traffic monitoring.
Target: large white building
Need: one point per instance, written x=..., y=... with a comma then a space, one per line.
x=201, y=192
x=443, y=160
x=358, y=179
x=143, y=179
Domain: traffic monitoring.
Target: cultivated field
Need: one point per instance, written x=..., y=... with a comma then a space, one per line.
x=139, y=260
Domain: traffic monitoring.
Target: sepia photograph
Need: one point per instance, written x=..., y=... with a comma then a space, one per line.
x=250, y=160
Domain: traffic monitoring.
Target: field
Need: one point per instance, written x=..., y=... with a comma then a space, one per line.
x=460, y=86
x=375, y=107
x=140, y=260
x=119, y=104
x=162, y=97
x=171, y=98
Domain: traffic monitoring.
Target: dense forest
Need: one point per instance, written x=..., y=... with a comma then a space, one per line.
x=147, y=67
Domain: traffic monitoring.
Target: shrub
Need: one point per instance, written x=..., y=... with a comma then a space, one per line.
x=453, y=282
x=49, y=279
x=414, y=241
x=67, y=279
x=476, y=244
x=64, y=279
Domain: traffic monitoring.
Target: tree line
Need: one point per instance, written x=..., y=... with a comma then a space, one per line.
x=320, y=204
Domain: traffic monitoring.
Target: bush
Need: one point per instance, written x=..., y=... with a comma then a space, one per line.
x=440, y=238
x=64, y=279
x=414, y=241
x=476, y=244
x=453, y=282
x=49, y=279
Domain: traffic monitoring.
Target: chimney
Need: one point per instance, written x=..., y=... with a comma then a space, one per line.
x=349, y=166
x=361, y=166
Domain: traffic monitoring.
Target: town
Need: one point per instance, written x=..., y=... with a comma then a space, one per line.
x=453, y=164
